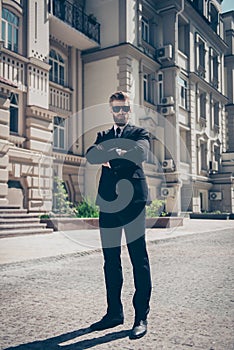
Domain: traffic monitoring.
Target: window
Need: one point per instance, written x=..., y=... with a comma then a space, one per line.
x=151, y=158
x=216, y=115
x=57, y=71
x=184, y=146
x=160, y=87
x=217, y=153
x=202, y=101
x=183, y=38
x=149, y=82
x=200, y=56
x=214, y=68
x=14, y=112
x=59, y=133
x=214, y=17
x=203, y=156
x=198, y=4
x=146, y=85
x=183, y=91
x=10, y=30
x=145, y=30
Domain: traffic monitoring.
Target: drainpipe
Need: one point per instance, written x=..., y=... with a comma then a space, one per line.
x=180, y=183
x=177, y=36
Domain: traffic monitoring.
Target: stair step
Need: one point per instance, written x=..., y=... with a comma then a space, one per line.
x=9, y=207
x=21, y=226
x=18, y=215
x=19, y=220
x=15, y=221
x=19, y=232
x=12, y=211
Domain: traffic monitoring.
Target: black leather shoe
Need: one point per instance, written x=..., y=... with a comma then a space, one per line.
x=107, y=322
x=139, y=330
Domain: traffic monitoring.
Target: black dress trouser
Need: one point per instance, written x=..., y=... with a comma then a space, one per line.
x=132, y=220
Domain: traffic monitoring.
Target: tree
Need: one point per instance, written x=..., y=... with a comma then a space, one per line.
x=61, y=204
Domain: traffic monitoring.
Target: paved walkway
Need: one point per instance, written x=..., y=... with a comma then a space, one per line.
x=16, y=249
x=48, y=304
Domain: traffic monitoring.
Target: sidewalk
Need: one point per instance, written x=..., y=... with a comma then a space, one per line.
x=16, y=249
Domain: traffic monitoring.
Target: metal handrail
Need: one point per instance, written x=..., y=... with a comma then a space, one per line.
x=75, y=17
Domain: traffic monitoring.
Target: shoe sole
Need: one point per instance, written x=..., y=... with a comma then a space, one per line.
x=103, y=328
x=134, y=337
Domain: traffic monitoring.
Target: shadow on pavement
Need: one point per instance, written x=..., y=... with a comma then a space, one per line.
x=56, y=342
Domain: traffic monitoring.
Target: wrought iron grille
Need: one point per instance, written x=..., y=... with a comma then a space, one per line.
x=72, y=15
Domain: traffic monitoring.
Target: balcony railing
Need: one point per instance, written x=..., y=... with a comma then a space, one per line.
x=216, y=128
x=215, y=82
x=202, y=122
x=76, y=18
x=13, y=69
x=201, y=71
x=60, y=98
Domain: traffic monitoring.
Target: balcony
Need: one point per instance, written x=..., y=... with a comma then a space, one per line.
x=60, y=99
x=13, y=68
x=71, y=25
x=201, y=71
x=216, y=128
x=202, y=122
x=183, y=61
x=215, y=82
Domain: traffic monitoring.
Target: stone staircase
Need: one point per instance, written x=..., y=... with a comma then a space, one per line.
x=18, y=222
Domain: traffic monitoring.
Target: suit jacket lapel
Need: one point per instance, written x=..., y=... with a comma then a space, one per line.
x=125, y=130
x=110, y=134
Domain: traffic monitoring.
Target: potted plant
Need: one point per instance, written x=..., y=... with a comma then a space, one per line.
x=215, y=215
x=157, y=217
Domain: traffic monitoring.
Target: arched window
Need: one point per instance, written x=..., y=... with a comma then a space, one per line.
x=57, y=71
x=10, y=30
x=14, y=112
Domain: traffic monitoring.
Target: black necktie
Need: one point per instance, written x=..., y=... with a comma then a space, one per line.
x=117, y=132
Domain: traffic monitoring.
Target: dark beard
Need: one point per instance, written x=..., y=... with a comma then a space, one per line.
x=120, y=122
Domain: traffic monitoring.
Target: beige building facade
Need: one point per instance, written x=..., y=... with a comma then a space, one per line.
x=60, y=61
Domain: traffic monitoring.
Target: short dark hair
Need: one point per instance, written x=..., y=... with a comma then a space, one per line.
x=119, y=95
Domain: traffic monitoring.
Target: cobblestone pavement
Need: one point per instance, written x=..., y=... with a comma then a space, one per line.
x=47, y=304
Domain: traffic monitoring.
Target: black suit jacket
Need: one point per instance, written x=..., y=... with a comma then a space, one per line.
x=124, y=182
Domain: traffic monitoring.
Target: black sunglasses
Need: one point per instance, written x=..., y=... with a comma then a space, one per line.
x=116, y=109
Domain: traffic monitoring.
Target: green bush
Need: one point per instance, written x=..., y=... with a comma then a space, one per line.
x=87, y=209
x=155, y=208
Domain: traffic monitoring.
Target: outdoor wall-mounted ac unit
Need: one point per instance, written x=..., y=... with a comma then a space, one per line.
x=164, y=53
x=215, y=196
x=167, y=100
x=167, y=192
x=168, y=164
x=167, y=110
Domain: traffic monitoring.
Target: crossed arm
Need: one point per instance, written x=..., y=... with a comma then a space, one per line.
x=103, y=151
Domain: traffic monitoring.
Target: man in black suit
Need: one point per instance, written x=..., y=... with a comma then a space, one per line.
x=122, y=196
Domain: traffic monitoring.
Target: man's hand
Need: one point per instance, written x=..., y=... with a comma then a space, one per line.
x=107, y=164
x=120, y=151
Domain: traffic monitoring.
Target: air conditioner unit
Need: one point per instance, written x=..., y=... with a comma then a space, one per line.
x=168, y=164
x=215, y=196
x=167, y=100
x=167, y=192
x=214, y=166
x=167, y=110
x=164, y=53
